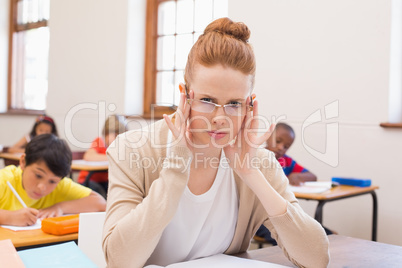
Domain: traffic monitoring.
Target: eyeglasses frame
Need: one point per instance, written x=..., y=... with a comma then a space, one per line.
x=250, y=106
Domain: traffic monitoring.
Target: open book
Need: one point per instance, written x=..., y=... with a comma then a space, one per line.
x=312, y=187
x=221, y=261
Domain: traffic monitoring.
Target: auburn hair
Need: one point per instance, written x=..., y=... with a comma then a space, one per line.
x=223, y=42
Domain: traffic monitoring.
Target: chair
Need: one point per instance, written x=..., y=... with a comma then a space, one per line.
x=260, y=241
x=78, y=155
x=90, y=236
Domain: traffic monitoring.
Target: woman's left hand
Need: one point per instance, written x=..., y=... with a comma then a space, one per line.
x=242, y=153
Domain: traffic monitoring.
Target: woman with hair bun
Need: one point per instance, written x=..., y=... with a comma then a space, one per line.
x=198, y=182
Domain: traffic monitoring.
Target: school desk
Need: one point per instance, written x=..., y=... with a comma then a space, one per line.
x=344, y=252
x=342, y=192
x=77, y=165
x=32, y=238
x=91, y=166
x=10, y=158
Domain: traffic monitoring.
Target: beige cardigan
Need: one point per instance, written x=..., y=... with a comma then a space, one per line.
x=145, y=186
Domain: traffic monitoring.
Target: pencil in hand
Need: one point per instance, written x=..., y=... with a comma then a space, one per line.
x=16, y=195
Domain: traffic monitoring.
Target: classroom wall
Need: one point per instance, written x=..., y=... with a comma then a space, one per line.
x=314, y=54
x=95, y=68
x=310, y=54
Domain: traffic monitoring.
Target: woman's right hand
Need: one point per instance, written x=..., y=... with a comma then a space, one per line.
x=24, y=217
x=179, y=125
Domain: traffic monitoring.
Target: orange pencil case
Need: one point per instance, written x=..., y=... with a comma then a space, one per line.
x=61, y=225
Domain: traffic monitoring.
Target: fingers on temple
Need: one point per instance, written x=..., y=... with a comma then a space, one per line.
x=187, y=105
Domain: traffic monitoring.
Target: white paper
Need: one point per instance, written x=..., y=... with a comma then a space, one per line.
x=90, y=163
x=37, y=225
x=312, y=187
x=221, y=261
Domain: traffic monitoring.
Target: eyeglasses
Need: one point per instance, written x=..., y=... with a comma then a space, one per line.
x=233, y=109
x=208, y=107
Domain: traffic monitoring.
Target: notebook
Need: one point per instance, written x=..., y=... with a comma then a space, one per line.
x=64, y=255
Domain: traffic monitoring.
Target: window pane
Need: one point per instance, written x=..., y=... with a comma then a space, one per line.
x=184, y=16
x=44, y=9
x=166, y=48
x=183, y=45
x=36, y=68
x=166, y=18
x=32, y=11
x=220, y=9
x=203, y=14
x=164, y=88
x=33, y=73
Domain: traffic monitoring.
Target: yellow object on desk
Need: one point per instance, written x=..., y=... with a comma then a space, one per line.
x=61, y=225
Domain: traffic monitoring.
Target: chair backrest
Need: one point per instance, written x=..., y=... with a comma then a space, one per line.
x=78, y=155
x=90, y=236
x=8, y=162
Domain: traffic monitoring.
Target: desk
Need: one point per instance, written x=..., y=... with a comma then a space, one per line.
x=91, y=166
x=344, y=251
x=76, y=165
x=11, y=158
x=36, y=237
x=342, y=192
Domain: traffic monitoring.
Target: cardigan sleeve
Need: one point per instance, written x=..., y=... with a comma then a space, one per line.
x=135, y=219
x=302, y=238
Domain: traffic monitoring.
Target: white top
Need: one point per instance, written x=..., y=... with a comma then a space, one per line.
x=203, y=225
x=28, y=137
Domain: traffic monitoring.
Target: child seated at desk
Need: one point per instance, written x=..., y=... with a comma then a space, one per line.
x=40, y=183
x=43, y=124
x=281, y=140
x=114, y=126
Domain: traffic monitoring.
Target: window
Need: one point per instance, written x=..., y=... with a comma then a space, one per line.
x=28, y=56
x=395, y=69
x=173, y=26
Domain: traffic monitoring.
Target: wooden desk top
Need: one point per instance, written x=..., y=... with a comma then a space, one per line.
x=33, y=237
x=89, y=165
x=76, y=165
x=11, y=156
x=344, y=252
x=337, y=192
